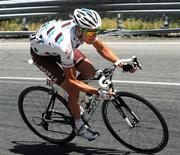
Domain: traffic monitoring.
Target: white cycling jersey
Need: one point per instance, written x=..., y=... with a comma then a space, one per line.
x=56, y=38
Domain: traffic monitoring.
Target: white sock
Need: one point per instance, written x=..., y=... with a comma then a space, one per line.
x=78, y=123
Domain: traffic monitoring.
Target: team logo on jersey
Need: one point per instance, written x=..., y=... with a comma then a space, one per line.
x=68, y=51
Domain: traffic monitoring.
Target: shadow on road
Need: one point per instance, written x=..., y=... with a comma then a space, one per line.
x=37, y=148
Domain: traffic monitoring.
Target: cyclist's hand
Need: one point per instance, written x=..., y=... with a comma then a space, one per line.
x=105, y=94
x=129, y=65
x=134, y=68
x=129, y=68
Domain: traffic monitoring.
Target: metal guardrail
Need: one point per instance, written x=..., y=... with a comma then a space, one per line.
x=9, y=34
x=141, y=32
x=11, y=9
x=153, y=32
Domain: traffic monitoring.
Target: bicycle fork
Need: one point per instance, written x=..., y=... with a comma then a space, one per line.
x=119, y=103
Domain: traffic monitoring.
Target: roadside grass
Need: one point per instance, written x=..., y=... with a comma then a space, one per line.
x=107, y=23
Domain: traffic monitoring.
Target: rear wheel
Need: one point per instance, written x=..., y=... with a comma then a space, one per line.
x=54, y=125
x=146, y=131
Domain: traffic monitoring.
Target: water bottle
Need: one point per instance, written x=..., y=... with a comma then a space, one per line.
x=86, y=100
x=91, y=105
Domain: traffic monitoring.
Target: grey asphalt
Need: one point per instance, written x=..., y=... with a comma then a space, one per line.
x=160, y=60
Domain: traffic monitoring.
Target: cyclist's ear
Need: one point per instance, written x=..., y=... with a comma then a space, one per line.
x=79, y=31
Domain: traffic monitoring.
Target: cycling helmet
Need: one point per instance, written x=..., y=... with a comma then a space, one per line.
x=86, y=18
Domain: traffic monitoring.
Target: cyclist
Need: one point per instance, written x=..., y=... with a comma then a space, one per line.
x=54, y=51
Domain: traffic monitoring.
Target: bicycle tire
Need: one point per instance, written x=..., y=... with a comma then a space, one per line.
x=117, y=129
x=60, y=128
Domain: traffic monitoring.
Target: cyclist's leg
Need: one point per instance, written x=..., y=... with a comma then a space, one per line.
x=83, y=65
x=73, y=104
x=86, y=69
x=73, y=99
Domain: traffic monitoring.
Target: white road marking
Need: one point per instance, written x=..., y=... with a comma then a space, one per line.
x=116, y=81
x=148, y=82
x=144, y=43
x=14, y=43
x=22, y=78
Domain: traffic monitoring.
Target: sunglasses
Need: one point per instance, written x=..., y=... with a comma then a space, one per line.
x=91, y=33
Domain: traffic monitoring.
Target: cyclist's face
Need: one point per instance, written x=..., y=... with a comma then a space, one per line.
x=88, y=36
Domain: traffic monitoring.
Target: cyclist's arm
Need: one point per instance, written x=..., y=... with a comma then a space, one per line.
x=105, y=51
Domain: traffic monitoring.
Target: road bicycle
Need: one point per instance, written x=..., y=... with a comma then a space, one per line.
x=131, y=119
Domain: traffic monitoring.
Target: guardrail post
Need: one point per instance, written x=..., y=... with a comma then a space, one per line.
x=165, y=22
x=24, y=24
x=119, y=21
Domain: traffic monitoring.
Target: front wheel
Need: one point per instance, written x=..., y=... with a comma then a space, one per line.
x=135, y=123
x=46, y=114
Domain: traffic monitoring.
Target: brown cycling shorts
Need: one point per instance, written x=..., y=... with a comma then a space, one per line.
x=50, y=65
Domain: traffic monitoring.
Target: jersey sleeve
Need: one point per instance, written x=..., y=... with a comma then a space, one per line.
x=64, y=46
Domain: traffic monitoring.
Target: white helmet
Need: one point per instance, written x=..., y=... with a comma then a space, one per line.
x=86, y=18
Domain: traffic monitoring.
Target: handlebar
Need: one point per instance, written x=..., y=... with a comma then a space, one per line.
x=105, y=76
x=131, y=61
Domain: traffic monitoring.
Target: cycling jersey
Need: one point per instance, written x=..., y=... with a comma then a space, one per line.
x=56, y=38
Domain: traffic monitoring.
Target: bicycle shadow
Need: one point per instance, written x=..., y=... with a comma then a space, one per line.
x=38, y=148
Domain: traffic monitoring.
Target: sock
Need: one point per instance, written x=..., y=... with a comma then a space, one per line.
x=78, y=123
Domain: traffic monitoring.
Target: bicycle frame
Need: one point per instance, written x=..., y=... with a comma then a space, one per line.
x=54, y=91
x=105, y=80
x=92, y=106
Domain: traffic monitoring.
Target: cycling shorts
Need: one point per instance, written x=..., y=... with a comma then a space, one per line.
x=50, y=65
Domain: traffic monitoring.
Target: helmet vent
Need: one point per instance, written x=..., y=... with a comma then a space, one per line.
x=96, y=17
x=92, y=17
x=89, y=21
x=85, y=24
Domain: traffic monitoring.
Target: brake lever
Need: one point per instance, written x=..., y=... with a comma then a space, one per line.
x=136, y=63
x=139, y=66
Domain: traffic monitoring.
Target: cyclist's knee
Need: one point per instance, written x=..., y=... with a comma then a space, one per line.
x=85, y=75
x=92, y=73
x=86, y=69
x=72, y=93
